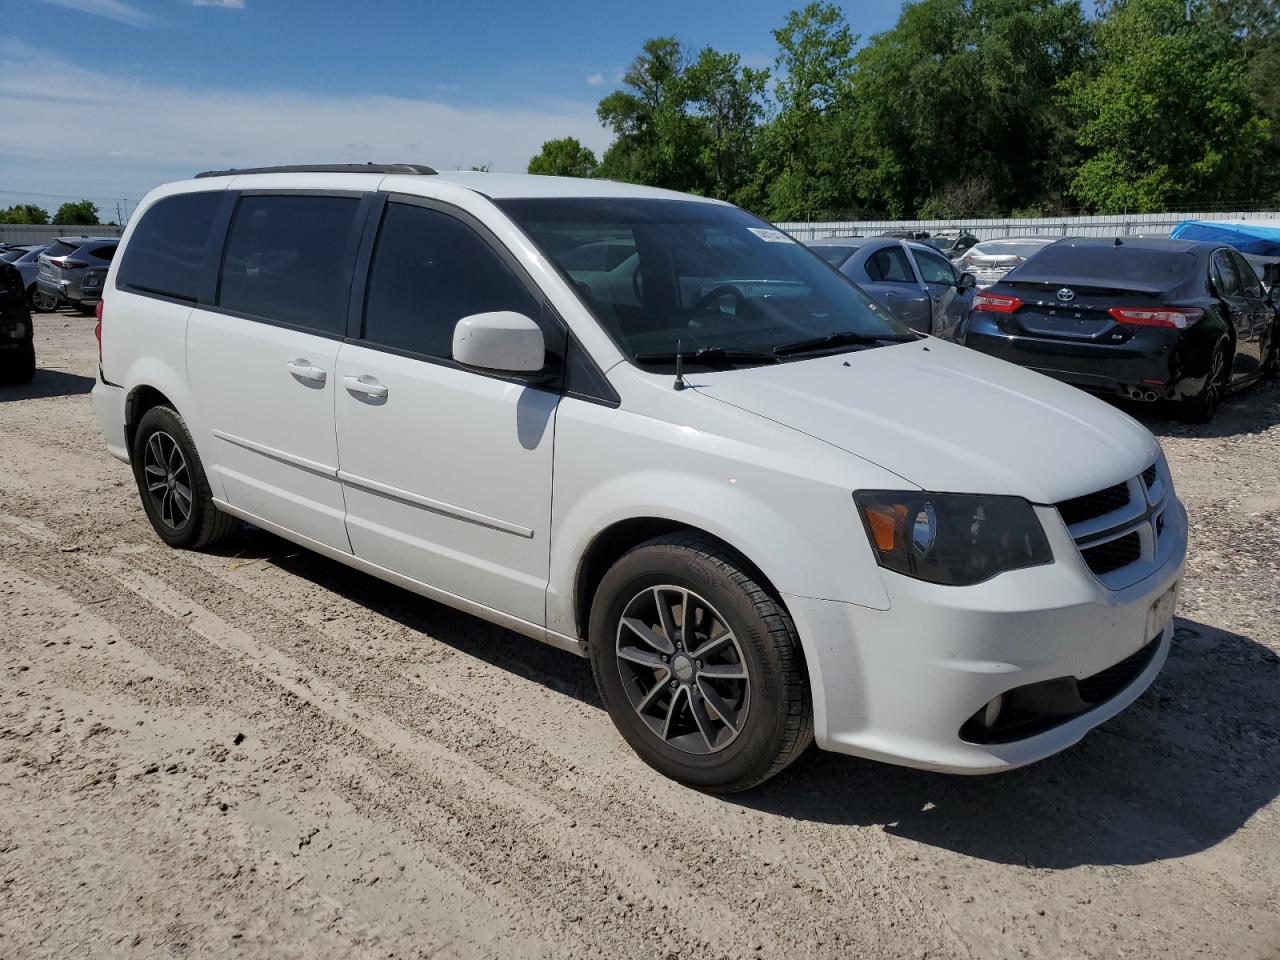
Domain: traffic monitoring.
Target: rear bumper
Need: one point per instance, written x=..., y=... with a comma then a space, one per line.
x=108, y=407
x=1152, y=361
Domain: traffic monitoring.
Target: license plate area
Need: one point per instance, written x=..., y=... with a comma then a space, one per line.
x=1160, y=613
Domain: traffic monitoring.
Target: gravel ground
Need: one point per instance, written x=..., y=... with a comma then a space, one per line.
x=260, y=753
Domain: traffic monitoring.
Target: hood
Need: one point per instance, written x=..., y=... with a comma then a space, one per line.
x=948, y=419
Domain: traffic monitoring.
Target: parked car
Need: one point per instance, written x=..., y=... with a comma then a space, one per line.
x=67, y=270
x=911, y=280
x=27, y=260
x=990, y=260
x=907, y=234
x=713, y=467
x=1141, y=318
x=17, y=340
x=952, y=243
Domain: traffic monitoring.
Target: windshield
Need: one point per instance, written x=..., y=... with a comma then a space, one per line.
x=668, y=275
x=11, y=256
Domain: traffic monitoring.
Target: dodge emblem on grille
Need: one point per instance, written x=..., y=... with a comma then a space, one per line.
x=1066, y=294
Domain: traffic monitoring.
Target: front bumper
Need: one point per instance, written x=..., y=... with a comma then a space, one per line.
x=899, y=684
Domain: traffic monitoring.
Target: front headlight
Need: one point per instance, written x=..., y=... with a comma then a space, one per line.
x=955, y=539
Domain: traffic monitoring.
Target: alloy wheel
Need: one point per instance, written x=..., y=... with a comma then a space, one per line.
x=168, y=480
x=683, y=669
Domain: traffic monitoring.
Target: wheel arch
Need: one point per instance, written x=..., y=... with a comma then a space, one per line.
x=615, y=540
x=139, y=400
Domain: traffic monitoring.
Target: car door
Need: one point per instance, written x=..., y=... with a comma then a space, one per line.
x=1229, y=287
x=262, y=359
x=446, y=470
x=887, y=274
x=1261, y=312
x=950, y=304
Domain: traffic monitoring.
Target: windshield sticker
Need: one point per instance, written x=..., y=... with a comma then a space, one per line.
x=770, y=236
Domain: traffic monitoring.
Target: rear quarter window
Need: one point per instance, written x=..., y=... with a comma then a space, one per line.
x=286, y=260
x=166, y=253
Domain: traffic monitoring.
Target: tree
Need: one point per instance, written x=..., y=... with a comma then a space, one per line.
x=966, y=92
x=24, y=213
x=1168, y=116
x=82, y=212
x=728, y=100
x=657, y=140
x=565, y=157
x=808, y=144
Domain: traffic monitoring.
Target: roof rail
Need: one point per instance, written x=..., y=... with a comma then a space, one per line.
x=399, y=168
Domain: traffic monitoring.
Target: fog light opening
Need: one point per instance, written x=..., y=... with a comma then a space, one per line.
x=991, y=712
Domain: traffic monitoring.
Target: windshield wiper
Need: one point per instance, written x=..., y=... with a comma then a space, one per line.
x=710, y=355
x=842, y=338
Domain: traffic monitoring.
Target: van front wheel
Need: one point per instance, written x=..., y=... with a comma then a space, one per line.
x=699, y=665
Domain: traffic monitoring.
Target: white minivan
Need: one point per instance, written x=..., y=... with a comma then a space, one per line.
x=653, y=430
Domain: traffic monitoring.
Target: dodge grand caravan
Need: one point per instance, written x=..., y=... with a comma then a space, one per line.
x=653, y=430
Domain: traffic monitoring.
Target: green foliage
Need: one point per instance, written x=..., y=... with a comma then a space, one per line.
x=565, y=157
x=81, y=212
x=24, y=213
x=1168, y=117
x=964, y=108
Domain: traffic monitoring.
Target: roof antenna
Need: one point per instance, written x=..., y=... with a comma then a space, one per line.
x=1118, y=243
x=680, y=384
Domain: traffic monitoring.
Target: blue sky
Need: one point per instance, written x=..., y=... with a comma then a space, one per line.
x=106, y=98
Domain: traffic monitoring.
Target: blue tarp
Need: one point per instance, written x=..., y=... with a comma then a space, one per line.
x=1261, y=238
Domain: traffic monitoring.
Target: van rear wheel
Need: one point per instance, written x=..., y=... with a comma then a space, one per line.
x=172, y=483
x=699, y=665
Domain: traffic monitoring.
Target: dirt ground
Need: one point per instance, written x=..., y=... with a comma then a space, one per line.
x=261, y=753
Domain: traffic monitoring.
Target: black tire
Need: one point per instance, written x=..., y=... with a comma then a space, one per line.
x=776, y=724
x=18, y=366
x=203, y=524
x=1201, y=407
x=31, y=298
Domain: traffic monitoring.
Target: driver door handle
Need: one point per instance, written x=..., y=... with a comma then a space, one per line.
x=306, y=370
x=365, y=386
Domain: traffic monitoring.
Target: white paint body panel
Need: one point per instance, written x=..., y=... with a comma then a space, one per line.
x=486, y=493
x=448, y=479
x=269, y=433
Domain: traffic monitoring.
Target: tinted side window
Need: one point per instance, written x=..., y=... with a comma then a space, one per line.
x=1224, y=272
x=934, y=269
x=1249, y=278
x=106, y=253
x=429, y=271
x=165, y=255
x=890, y=265
x=286, y=260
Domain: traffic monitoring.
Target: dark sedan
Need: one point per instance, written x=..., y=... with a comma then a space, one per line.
x=1138, y=318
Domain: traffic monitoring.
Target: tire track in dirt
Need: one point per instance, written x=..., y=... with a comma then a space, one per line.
x=469, y=807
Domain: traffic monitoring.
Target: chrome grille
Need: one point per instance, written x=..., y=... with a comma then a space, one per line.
x=1092, y=505
x=1119, y=529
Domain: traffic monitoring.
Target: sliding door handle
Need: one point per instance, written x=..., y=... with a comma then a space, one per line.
x=305, y=370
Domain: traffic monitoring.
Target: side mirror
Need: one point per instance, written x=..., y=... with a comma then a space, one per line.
x=503, y=342
x=967, y=281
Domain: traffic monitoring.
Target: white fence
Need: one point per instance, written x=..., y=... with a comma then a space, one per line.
x=1129, y=225
x=24, y=233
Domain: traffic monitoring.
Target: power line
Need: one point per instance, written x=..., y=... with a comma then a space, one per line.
x=61, y=196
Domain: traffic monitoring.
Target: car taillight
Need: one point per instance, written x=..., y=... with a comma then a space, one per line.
x=97, y=329
x=995, y=303
x=71, y=264
x=1178, y=318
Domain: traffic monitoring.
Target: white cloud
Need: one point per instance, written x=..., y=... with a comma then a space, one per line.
x=132, y=134
x=447, y=87
x=111, y=9
x=595, y=79
x=226, y=4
